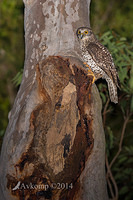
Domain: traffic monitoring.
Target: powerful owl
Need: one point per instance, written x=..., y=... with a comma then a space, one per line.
x=98, y=60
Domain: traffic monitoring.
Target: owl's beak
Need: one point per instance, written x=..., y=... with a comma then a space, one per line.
x=81, y=36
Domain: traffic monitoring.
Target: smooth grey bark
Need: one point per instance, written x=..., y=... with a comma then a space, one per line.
x=46, y=122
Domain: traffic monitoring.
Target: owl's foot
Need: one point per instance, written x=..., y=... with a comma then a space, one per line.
x=90, y=72
x=86, y=65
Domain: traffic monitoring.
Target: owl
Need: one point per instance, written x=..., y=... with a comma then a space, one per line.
x=98, y=60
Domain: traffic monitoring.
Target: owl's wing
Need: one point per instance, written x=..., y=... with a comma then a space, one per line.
x=103, y=59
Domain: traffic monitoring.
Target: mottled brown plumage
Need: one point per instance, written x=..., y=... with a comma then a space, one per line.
x=99, y=60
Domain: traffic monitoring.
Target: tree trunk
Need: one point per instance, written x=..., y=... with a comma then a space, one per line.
x=54, y=145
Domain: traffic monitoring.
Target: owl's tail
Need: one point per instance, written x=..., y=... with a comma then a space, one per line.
x=112, y=90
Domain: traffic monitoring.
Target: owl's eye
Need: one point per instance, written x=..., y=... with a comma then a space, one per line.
x=86, y=32
x=79, y=32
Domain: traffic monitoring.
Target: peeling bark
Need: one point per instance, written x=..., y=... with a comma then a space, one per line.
x=54, y=143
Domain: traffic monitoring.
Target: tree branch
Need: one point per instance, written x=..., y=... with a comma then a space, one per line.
x=110, y=175
x=121, y=141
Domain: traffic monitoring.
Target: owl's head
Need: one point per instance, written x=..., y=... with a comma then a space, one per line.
x=84, y=33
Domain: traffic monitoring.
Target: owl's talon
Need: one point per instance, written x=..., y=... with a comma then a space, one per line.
x=90, y=73
x=86, y=65
x=93, y=79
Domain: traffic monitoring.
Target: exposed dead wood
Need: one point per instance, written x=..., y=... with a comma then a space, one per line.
x=63, y=135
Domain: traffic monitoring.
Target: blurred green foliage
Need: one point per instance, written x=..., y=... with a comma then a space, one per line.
x=11, y=54
x=18, y=78
x=118, y=119
x=122, y=53
x=123, y=173
x=11, y=34
x=114, y=15
x=106, y=15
